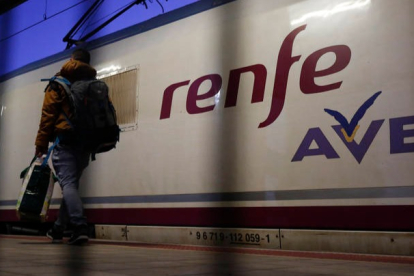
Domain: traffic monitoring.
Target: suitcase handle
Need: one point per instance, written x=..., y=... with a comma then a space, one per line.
x=44, y=163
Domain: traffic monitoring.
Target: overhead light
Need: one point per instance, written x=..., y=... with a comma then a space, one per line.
x=109, y=69
x=346, y=6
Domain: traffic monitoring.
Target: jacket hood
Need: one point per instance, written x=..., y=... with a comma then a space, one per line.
x=74, y=70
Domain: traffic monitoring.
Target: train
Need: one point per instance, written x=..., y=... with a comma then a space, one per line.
x=242, y=114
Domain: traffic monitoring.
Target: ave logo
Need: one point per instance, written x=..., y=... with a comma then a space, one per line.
x=399, y=134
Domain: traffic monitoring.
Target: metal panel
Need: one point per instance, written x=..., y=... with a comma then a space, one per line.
x=390, y=243
x=111, y=232
x=252, y=238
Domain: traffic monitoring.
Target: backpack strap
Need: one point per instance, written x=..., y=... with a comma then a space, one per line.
x=60, y=80
x=66, y=85
x=67, y=119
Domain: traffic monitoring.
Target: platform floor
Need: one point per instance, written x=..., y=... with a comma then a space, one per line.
x=25, y=255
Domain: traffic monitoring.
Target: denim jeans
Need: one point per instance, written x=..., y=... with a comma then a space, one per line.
x=69, y=162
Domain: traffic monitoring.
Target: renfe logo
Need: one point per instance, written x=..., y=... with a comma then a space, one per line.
x=284, y=62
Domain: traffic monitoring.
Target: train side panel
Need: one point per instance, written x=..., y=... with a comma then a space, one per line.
x=271, y=111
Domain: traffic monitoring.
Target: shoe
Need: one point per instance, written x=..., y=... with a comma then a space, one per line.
x=55, y=235
x=79, y=236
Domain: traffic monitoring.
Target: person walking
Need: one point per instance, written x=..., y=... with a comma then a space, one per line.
x=69, y=157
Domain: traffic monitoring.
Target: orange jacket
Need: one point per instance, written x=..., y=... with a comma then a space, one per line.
x=52, y=121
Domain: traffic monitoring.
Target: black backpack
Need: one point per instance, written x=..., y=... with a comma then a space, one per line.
x=94, y=117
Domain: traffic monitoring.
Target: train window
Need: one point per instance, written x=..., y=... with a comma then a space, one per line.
x=123, y=92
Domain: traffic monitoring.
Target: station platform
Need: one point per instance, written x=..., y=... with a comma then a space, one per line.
x=34, y=255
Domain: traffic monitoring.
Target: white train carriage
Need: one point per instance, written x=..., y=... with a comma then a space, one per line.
x=249, y=114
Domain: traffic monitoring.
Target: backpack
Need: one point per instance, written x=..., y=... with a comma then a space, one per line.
x=94, y=116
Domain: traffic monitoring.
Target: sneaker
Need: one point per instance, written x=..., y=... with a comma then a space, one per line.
x=55, y=235
x=79, y=236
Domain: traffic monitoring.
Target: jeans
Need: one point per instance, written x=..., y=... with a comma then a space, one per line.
x=69, y=161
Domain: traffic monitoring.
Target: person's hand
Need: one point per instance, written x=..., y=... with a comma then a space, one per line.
x=40, y=151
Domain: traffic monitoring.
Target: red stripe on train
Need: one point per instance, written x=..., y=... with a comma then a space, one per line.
x=395, y=218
